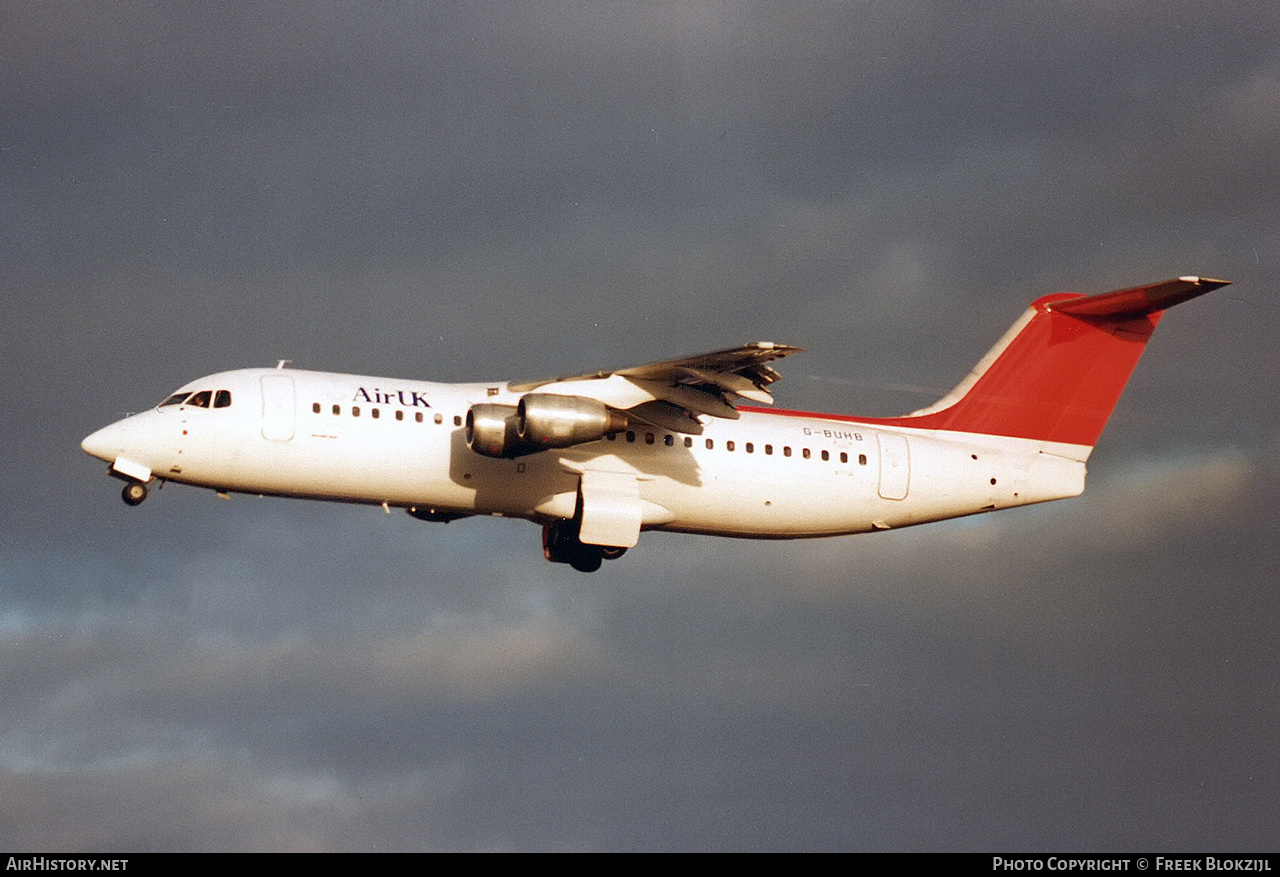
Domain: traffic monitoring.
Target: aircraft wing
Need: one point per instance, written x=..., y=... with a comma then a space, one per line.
x=673, y=394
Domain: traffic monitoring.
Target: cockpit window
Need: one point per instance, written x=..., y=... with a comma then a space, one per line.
x=201, y=399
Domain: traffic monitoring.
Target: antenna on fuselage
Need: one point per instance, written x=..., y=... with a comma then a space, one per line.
x=282, y=363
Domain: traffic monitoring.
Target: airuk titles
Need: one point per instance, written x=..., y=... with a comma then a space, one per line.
x=407, y=398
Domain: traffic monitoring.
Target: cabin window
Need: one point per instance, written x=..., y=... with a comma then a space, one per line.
x=768, y=449
x=668, y=440
x=399, y=415
x=375, y=413
x=337, y=409
x=315, y=407
x=862, y=459
x=355, y=410
x=805, y=453
x=786, y=450
x=688, y=442
x=710, y=444
x=751, y=448
x=631, y=436
x=825, y=456
x=844, y=458
x=417, y=415
x=648, y=438
x=728, y=446
x=457, y=420
x=438, y=419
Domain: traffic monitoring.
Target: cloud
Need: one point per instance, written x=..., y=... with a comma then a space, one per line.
x=1162, y=498
x=218, y=801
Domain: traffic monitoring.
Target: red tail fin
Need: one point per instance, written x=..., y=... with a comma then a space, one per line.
x=1058, y=372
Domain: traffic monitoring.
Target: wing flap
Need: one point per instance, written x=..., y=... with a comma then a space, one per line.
x=730, y=382
x=690, y=398
x=666, y=415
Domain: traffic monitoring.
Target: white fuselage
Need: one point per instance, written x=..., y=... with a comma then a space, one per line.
x=401, y=443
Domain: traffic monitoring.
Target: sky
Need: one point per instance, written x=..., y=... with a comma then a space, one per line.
x=491, y=191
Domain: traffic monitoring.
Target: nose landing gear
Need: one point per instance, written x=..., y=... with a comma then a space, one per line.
x=134, y=493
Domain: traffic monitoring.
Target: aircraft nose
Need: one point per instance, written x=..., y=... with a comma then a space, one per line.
x=103, y=444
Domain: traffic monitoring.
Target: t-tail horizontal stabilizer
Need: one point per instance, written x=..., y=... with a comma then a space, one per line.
x=1140, y=300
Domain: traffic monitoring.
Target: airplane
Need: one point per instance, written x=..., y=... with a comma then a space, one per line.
x=598, y=458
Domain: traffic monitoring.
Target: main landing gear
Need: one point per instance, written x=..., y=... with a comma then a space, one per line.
x=560, y=544
x=134, y=493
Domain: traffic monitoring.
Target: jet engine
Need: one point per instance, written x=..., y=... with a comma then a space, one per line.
x=491, y=431
x=538, y=422
x=545, y=420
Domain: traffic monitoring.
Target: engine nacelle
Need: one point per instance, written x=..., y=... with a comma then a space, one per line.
x=540, y=421
x=545, y=420
x=491, y=431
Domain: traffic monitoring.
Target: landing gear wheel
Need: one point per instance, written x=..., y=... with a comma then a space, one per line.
x=588, y=558
x=560, y=544
x=134, y=493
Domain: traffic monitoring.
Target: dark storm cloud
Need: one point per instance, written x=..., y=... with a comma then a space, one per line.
x=484, y=191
